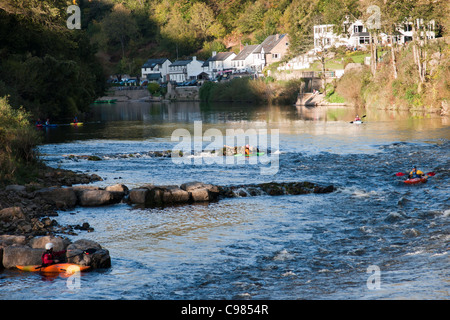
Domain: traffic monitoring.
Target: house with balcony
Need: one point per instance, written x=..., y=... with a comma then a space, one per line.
x=185, y=70
x=244, y=60
x=155, y=70
x=355, y=34
x=219, y=63
x=404, y=31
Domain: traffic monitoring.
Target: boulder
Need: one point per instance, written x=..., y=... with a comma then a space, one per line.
x=139, y=195
x=200, y=191
x=173, y=194
x=16, y=188
x=11, y=214
x=59, y=243
x=9, y=240
x=93, y=198
x=61, y=197
x=88, y=253
x=118, y=191
x=21, y=255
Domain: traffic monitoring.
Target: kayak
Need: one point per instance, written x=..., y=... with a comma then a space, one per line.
x=106, y=101
x=416, y=180
x=46, y=125
x=356, y=122
x=76, y=123
x=250, y=155
x=54, y=268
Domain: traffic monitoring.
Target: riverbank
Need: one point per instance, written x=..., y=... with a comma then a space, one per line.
x=396, y=84
x=26, y=224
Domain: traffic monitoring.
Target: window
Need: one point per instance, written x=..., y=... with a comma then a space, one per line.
x=275, y=55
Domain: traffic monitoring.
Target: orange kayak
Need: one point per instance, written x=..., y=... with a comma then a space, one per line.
x=416, y=180
x=54, y=268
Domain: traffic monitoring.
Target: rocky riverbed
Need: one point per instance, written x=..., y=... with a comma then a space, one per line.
x=26, y=210
x=26, y=224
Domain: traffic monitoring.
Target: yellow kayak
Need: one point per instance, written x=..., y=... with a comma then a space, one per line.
x=54, y=268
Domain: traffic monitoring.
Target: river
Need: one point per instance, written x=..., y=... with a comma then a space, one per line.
x=373, y=238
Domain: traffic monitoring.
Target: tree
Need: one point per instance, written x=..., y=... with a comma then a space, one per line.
x=202, y=18
x=119, y=26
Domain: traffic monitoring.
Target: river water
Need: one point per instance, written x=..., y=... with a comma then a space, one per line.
x=374, y=238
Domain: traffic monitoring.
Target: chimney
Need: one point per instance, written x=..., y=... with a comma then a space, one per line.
x=214, y=53
x=194, y=58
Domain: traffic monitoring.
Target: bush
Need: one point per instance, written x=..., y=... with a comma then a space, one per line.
x=153, y=88
x=17, y=142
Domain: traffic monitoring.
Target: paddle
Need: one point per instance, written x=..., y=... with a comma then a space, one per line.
x=400, y=174
x=361, y=118
x=86, y=252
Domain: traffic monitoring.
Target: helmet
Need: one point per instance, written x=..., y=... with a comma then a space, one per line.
x=247, y=146
x=49, y=246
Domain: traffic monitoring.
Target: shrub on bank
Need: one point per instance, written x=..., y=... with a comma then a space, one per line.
x=17, y=142
x=251, y=90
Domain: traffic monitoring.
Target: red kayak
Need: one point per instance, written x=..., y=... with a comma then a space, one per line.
x=416, y=180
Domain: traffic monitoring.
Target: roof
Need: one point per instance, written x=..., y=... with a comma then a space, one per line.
x=151, y=63
x=221, y=56
x=246, y=51
x=153, y=76
x=270, y=42
x=183, y=62
x=361, y=34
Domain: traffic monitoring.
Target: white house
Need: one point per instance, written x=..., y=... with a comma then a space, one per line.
x=355, y=34
x=255, y=57
x=404, y=31
x=156, y=69
x=218, y=63
x=184, y=70
x=243, y=61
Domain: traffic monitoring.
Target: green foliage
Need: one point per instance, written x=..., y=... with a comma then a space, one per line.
x=153, y=88
x=50, y=71
x=205, y=90
x=17, y=142
x=251, y=90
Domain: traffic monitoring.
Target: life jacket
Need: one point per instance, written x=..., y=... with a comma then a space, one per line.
x=47, y=258
x=415, y=174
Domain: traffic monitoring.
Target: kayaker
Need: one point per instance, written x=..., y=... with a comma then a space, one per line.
x=247, y=150
x=75, y=120
x=415, y=173
x=47, y=123
x=357, y=118
x=39, y=122
x=49, y=256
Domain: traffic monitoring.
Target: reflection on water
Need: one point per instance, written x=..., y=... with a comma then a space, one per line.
x=142, y=120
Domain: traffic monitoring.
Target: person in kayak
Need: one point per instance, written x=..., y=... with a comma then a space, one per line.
x=415, y=173
x=49, y=256
x=247, y=150
x=357, y=118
